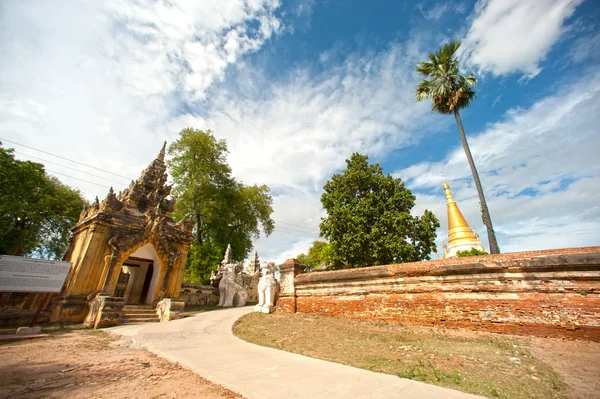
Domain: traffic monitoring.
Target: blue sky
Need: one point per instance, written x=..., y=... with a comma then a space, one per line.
x=296, y=87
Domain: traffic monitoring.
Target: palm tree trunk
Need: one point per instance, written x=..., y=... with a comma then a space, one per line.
x=487, y=220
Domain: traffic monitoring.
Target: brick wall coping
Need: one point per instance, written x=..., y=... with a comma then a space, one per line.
x=564, y=259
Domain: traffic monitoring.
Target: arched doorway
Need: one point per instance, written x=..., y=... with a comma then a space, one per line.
x=139, y=276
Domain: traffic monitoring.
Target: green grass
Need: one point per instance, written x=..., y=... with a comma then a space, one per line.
x=490, y=365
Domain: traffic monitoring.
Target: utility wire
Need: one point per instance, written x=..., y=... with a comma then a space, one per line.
x=296, y=225
x=296, y=234
x=77, y=178
x=310, y=233
x=67, y=159
x=68, y=167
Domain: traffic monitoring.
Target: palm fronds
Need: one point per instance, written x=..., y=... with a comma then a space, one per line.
x=444, y=86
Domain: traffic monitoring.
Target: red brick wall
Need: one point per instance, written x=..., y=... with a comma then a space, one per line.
x=545, y=293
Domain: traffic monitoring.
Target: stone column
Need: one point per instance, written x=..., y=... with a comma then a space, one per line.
x=287, y=292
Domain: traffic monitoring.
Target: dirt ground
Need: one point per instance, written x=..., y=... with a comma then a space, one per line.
x=92, y=364
x=577, y=362
x=492, y=365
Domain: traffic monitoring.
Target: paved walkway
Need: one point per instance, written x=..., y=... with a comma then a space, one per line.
x=206, y=345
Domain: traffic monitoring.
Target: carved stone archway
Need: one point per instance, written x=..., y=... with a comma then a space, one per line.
x=110, y=231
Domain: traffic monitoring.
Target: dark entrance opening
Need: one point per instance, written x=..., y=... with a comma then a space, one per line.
x=147, y=281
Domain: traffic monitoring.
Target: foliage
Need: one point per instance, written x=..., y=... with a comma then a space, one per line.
x=450, y=92
x=368, y=219
x=36, y=210
x=470, y=252
x=225, y=210
x=446, y=88
x=201, y=261
x=319, y=253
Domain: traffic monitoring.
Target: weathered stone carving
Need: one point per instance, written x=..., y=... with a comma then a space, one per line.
x=230, y=291
x=169, y=309
x=95, y=304
x=104, y=311
x=111, y=231
x=268, y=289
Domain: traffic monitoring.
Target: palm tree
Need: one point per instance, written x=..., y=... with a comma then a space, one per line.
x=449, y=92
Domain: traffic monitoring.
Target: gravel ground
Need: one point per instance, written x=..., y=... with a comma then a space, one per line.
x=92, y=364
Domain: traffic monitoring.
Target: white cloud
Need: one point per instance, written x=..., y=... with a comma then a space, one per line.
x=585, y=50
x=104, y=83
x=434, y=13
x=95, y=80
x=295, y=133
x=540, y=172
x=185, y=45
x=439, y=10
x=508, y=36
x=105, y=78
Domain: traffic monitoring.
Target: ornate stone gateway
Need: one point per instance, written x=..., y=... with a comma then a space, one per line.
x=125, y=249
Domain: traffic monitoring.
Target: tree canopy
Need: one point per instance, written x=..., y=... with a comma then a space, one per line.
x=319, y=253
x=444, y=86
x=450, y=92
x=225, y=210
x=36, y=210
x=368, y=219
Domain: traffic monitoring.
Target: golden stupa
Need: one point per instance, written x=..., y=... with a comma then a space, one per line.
x=460, y=236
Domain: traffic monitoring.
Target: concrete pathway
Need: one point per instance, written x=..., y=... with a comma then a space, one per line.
x=206, y=345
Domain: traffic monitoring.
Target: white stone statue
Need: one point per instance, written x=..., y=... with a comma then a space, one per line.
x=268, y=288
x=230, y=292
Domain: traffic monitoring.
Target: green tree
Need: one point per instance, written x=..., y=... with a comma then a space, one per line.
x=470, y=252
x=368, y=219
x=36, y=210
x=225, y=210
x=450, y=92
x=319, y=253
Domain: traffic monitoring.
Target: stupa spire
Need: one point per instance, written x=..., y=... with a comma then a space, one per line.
x=161, y=154
x=254, y=264
x=460, y=236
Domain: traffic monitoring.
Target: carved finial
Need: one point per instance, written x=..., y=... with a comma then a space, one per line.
x=161, y=154
x=228, y=259
x=83, y=213
x=111, y=192
x=254, y=264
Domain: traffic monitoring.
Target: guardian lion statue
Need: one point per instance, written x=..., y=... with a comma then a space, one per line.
x=230, y=292
x=268, y=289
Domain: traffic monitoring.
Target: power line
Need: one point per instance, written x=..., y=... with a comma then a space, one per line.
x=77, y=178
x=68, y=167
x=287, y=230
x=280, y=229
x=296, y=225
x=294, y=233
x=67, y=159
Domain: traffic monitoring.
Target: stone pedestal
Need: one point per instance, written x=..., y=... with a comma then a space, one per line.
x=264, y=309
x=104, y=311
x=28, y=330
x=170, y=309
x=70, y=309
x=287, y=293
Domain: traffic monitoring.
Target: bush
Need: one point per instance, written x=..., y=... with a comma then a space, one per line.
x=471, y=252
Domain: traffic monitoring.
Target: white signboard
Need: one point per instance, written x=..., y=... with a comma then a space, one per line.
x=32, y=275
